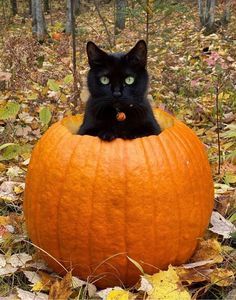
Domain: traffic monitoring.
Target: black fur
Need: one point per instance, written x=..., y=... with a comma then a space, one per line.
x=107, y=100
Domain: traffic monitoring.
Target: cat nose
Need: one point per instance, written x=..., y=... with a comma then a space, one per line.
x=116, y=94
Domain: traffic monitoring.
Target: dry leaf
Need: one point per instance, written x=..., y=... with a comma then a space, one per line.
x=222, y=277
x=91, y=288
x=145, y=285
x=19, y=259
x=4, y=220
x=208, y=250
x=33, y=277
x=8, y=269
x=3, y=261
x=24, y=295
x=61, y=289
x=194, y=275
x=46, y=279
x=221, y=225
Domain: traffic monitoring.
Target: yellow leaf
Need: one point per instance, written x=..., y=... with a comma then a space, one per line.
x=2, y=167
x=39, y=286
x=167, y=285
x=223, y=96
x=222, y=277
x=208, y=250
x=18, y=189
x=4, y=220
x=119, y=295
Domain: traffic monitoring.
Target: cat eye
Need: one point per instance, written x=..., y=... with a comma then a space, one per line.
x=104, y=80
x=129, y=80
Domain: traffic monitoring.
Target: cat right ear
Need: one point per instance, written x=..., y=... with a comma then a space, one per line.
x=96, y=56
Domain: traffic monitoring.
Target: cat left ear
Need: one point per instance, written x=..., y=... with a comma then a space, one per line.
x=96, y=56
x=138, y=54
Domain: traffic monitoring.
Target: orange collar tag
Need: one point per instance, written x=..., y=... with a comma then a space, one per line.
x=120, y=116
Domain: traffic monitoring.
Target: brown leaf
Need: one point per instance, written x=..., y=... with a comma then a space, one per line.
x=194, y=275
x=61, y=289
x=208, y=249
x=222, y=277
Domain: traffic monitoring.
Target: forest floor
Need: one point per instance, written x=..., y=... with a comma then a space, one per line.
x=192, y=75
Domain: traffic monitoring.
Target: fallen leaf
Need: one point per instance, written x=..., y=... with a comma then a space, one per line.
x=104, y=293
x=91, y=288
x=3, y=261
x=221, y=225
x=8, y=269
x=14, y=172
x=33, y=277
x=145, y=285
x=119, y=295
x=198, y=274
x=208, y=250
x=61, y=289
x=222, y=277
x=167, y=285
x=24, y=295
x=19, y=259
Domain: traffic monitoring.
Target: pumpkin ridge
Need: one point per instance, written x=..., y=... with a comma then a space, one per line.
x=40, y=191
x=151, y=176
x=29, y=204
x=203, y=155
x=153, y=201
x=125, y=210
x=90, y=256
x=60, y=199
x=185, y=142
x=176, y=197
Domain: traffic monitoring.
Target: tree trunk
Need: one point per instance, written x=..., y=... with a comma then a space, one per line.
x=30, y=7
x=14, y=7
x=68, y=17
x=38, y=21
x=77, y=7
x=34, y=19
x=226, y=14
x=201, y=12
x=46, y=6
x=207, y=14
x=120, y=6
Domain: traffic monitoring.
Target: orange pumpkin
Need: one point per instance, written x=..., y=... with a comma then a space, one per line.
x=90, y=204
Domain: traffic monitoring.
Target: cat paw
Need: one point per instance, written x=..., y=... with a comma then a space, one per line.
x=107, y=136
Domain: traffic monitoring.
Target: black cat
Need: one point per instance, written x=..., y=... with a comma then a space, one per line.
x=118, y=107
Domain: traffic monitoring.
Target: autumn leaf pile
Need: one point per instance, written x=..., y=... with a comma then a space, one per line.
x=191, y=75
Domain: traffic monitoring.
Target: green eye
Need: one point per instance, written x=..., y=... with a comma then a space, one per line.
x=104, y=80
x=129, y=80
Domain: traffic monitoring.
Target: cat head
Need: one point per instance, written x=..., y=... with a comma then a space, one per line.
x=118, y=77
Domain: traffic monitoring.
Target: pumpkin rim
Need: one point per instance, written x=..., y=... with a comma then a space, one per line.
x=164, y=119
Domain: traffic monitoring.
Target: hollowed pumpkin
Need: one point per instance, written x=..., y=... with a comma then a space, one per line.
x=90, y=203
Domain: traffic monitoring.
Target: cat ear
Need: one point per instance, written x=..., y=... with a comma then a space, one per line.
x=96, y=56
x=138, y=54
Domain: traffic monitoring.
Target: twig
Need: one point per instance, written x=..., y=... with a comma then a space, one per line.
x=147, y=22
x=217, y=126
x=76, y=97
x=104, y=24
